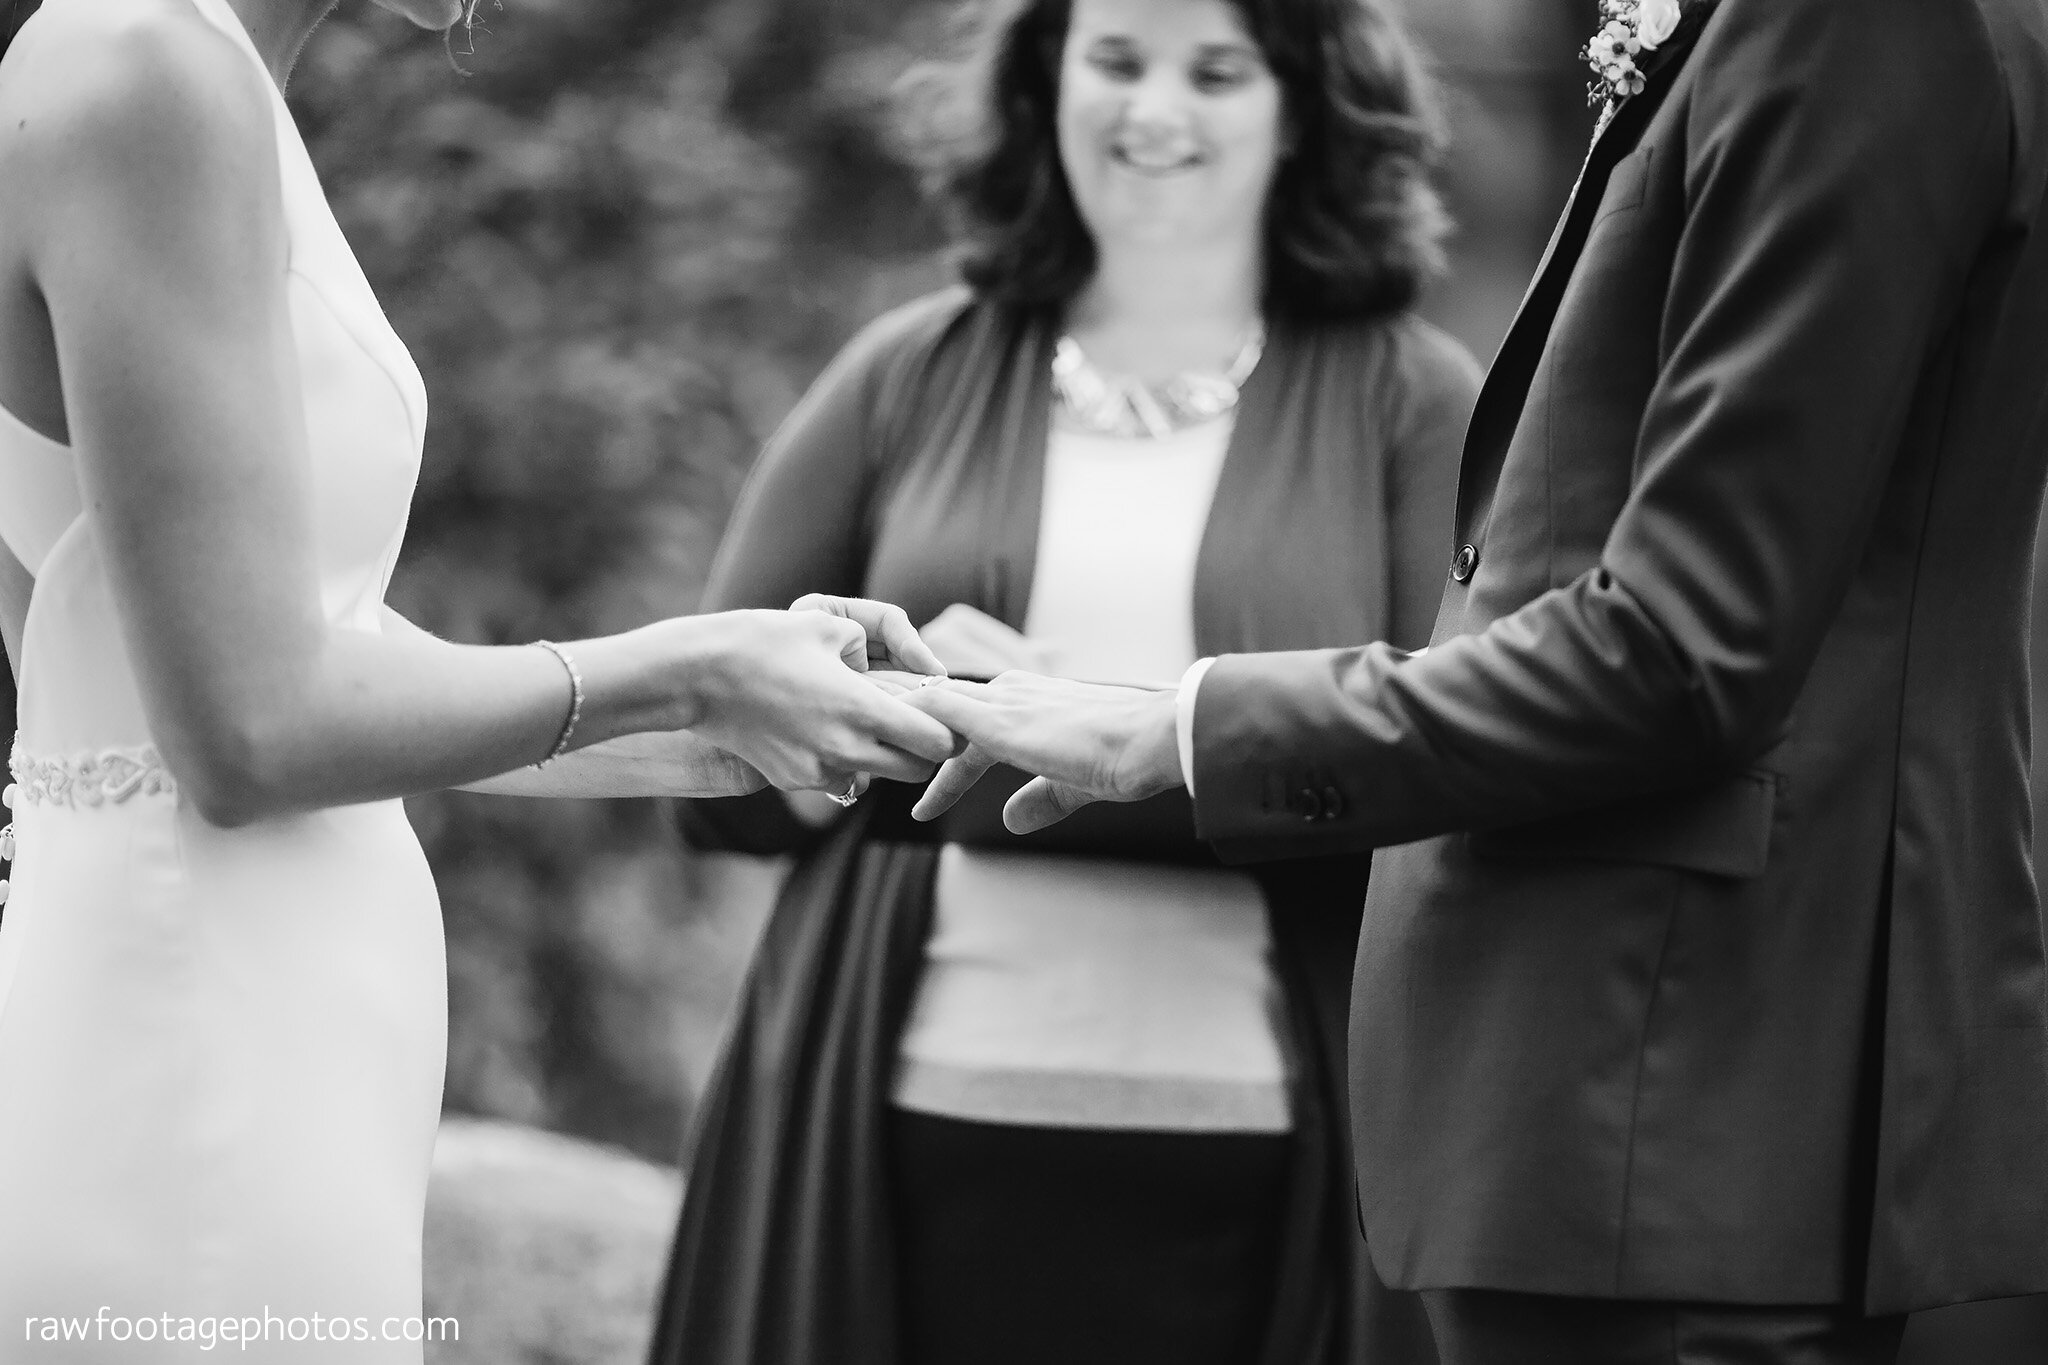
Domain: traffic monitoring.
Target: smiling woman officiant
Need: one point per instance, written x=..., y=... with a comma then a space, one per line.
x=1078, y=1098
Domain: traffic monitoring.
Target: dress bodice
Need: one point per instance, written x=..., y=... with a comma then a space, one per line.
x=365, y=417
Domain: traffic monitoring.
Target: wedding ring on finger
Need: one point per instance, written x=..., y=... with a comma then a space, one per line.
x=850, y=795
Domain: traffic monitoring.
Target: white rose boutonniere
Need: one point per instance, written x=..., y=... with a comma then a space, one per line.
x=1656, y=20
x=1628, y=29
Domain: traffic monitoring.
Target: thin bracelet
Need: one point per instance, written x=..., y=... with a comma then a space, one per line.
x=575, y=700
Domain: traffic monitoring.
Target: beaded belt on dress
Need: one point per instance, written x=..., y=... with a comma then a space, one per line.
x=81, y=782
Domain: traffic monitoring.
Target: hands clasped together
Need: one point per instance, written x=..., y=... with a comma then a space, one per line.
x=894, y=713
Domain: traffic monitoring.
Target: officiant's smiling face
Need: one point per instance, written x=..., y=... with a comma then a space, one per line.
x=1170, y=121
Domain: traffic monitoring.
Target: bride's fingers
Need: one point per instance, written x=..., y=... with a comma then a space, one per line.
x=892, y=722
x=851, y=637
x=889, y=638
x=827, y=782
x=893, y=764
x=1041, y=802
x=902, y=646
x=835, y=782
x=955, y=778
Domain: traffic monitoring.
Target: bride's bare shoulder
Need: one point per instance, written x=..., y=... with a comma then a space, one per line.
x=124, y=86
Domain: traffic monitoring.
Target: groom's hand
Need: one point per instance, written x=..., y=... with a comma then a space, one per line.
x=1085, y=741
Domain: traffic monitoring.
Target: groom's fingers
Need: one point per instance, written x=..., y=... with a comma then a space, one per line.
x=954, y=780
x=890, y=682
x=889, y=721
x=1041, y=802
x=958, y=705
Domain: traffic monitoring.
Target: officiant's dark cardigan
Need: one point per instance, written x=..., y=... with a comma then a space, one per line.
x=912, y=472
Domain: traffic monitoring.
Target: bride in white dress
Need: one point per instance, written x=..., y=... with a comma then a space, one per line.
x=222, y=992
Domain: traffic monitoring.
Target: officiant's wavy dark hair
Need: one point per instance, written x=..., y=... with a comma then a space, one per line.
x=1353, y=225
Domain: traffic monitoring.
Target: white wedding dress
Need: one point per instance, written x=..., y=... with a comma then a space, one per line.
x=221, y=1051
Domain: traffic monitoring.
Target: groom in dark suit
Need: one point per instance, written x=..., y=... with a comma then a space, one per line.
x=1699, y=1011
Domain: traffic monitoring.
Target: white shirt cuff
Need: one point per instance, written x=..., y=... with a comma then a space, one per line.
x=1184, y=719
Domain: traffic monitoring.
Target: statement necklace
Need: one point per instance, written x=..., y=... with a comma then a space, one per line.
x=1122, y=405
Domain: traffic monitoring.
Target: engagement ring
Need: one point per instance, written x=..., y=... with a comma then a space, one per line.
x=849, y=796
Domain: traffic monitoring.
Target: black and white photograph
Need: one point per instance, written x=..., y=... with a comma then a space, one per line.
x=1023, y=682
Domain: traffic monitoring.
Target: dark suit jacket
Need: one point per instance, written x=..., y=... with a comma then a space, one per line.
x=1715, y=968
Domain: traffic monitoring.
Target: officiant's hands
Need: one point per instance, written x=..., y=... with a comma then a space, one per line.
x=971, y=642
x=1085, y=741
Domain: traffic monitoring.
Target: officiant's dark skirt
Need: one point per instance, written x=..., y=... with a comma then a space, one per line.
x=1022, y=1244
x=791, y=1248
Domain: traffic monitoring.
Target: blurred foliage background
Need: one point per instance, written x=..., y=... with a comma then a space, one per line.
x=620, y=236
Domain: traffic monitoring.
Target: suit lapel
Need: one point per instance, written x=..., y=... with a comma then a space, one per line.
x=1499, y=407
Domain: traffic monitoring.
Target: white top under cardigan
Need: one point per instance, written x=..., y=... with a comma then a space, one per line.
x=1091, y=992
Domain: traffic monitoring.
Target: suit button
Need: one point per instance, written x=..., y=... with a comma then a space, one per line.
x=1273, y=794
x=1333, y=803
x=1311, y=805
x=1464, y=562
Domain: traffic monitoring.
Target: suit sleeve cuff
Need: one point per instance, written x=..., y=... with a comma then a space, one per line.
x=1184, y=719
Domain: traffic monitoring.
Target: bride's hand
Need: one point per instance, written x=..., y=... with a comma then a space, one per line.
x=780, y=690
x=818, y=809
x=890, y=640
x=972, y=642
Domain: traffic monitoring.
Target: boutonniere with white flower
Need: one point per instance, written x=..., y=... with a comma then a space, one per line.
x=1630, y=28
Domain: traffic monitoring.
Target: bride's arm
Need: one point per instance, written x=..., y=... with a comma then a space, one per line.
x=156, y=240
x=672, y=763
